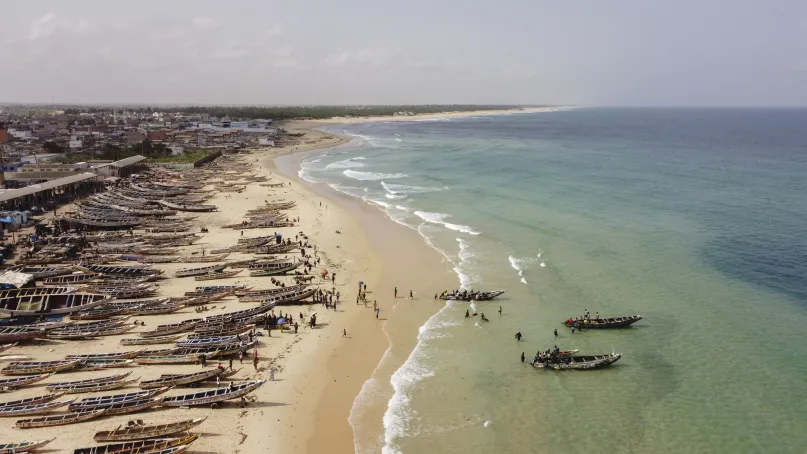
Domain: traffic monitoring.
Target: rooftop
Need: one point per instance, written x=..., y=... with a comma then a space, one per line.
x=128, y=161
x=11, y=194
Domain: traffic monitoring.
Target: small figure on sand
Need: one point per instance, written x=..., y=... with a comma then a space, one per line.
x=411, y=295
x=376, y=313
x=467, y=313
x=396, y=292
x=272, y=373
x=556, y=331
x=344, y=333
x=500, y=310
x=522, y=357
x=518, y=336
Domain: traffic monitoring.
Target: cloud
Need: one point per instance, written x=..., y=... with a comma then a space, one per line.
x=50, y=24
x=360, y=57
x=204, y=22
x=276, y=30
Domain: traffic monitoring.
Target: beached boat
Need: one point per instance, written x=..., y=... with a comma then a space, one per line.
x=97, y=314
x=36, y=291
x=227, y=331
x=98, y=403
x=156, y=310
x=125, y=291
x=209, y=342
x=189, y=272
x=179, y=380
x=32, y=400
x=204, y=259
x=14, y=334
x=70, y=279
x=603, y=323
x=139, y=447
x=38, y=367
x=91, y=381
x=130, y=406
x=146, y=432
x=173, y=328
x=35, y=409
x=98, y=387
x=204, y=299
x=14, y=383
x=273, y=271
x=580, y=362
x=41, y=272
x=23, y=446
x=58, y=420
x=151, y=340
x=213, y=289
x=213, y=396
x=70, y=335
x=170, y=359
x=291, y=297
x=100, y=364
x=274, y=249
x=217, y=275
x=187, y=206
x=121, y=270
x=260, y=295
x=34, y=306
x=99, y=356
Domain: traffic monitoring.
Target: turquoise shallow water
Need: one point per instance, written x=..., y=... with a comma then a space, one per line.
x=693, y=218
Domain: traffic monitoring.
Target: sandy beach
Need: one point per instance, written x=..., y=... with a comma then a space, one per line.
x=318, y=372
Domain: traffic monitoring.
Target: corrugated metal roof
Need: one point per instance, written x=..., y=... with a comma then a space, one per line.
x=128, y=161
x=12, y=194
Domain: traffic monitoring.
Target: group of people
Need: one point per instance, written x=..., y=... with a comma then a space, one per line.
x=462, y=295
x=548, y=356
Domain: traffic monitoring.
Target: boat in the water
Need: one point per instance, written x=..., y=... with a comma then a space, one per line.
x=34, y=306
x=154, y=445
x=579, y=362
x=472, y=295
x=38, y=367
x=23, y=446
x=147, y=432
x=602, y=322
x=213, y=396
x=58, y=420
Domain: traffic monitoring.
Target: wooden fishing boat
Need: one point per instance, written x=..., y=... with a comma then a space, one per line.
x=209, y=342
x=152, y=446
x=98, y=356
x=98, y=387
x=151, y=340
x=146, y=432
x=70, y=279
x=188, y=206
x=121, y=270
x=217, y=275
x=285, y=268
x=38, y=367
x=98, y=403
x=14, y=334
x=128, y=291
x=274, y=248
x=95, y=332
x=174, y=328
x=580, y=362
x=32, y=400
x=36, y=291
x=34, y=306
x=603, y=323
x=179, y=380
x=223, y=332
x=208, y=329
x=70, y=335
x=213, y=396
x=58, y=420
x=290, y=298
x=9, y=358
x=204, y=299
x=204, y=259
x=23, y=446
x=14, y=383
x=213, y=289
x=473, y=296
x=129, y=406
x=260, y=295
x=139, y=303
x=41, y=272
x=170, y=359
x=100, y=364
x=188, y=272
x=91, y=381
x=35, y=409
x=97, y=314
x=157, y=310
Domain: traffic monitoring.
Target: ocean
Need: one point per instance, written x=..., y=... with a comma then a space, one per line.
x=695, y=219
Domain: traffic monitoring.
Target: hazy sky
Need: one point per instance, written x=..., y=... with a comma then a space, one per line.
x=596, y=52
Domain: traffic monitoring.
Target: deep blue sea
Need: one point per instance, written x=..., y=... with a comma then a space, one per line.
x=694, y=218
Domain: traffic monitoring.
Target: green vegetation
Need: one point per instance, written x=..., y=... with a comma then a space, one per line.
x=154, y=152
x=187, y=157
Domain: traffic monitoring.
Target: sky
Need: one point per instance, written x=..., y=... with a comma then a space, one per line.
x=560, y=52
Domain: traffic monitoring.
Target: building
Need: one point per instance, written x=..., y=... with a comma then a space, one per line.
x=134, y=137
x=49, y=192
x=75, y=144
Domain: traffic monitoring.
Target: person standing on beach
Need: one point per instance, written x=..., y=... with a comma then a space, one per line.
x=376, y=313
x=231, y=364
x=411, y=295
x=396, y=292
x=241, y=357
x=375, y=305
x=344, y=333
x=518, y=336
x=255, y=363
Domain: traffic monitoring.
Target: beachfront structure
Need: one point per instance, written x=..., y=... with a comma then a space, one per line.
x=47, y=192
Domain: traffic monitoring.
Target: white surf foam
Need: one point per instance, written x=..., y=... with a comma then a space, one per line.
x=372, y=176
x=520, y=264
x=395, y=196
x=439, y=218
x=405, y=189
x=346, y=164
